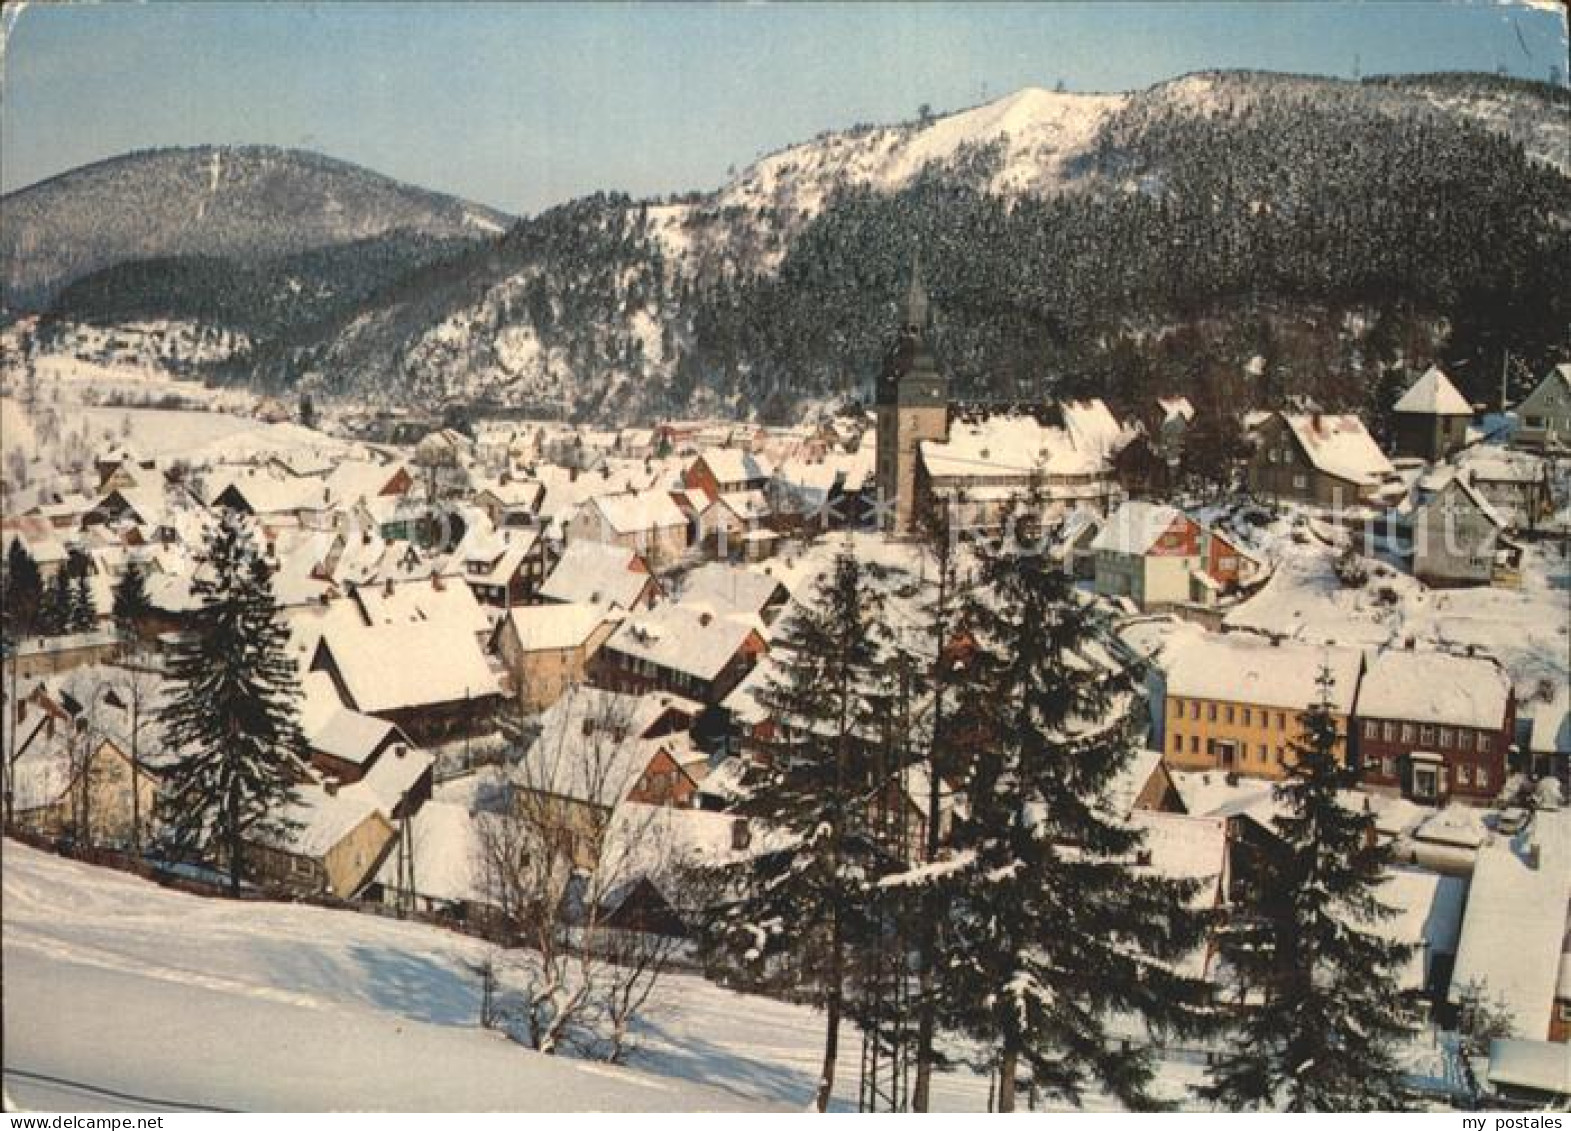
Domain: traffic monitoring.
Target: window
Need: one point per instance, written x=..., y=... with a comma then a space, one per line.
x=1426, y=735
x=1211, y=712
x=1281, y=721
x=1194, y=744
x=1248, y=717
x=1281, y=756
x=1264, y=753
x=1178, y=743
x=1483, y=778
x=1273, y=457
x=1300, y=482
x=1464, y=740
x=1230, y=713
x=1409, y=733
x=1445, y=738
x=1194, y=710
x=1178, y=708
x=1371, y=729
x=1483, y=744
x=1464, y=774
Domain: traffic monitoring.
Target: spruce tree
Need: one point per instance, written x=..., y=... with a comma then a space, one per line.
x=1055, y=928
x=24, y=591
x=54, y=611
x=1322, y=1013
x=232, y=717
x=802, y=905
x=130, y=601
x=84, y=610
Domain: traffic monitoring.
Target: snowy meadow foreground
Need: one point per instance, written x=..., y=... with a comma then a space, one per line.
x=121, y=994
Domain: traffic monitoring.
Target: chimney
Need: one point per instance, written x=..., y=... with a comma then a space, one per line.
x=436, y=582
x=1534, y=854
x=387, y=587
x=705, y=618
x=400, y=750
x=330, y=785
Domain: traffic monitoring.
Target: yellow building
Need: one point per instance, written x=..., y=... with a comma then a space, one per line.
x=1233, y=700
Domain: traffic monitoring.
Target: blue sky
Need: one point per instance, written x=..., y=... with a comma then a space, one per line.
x=523, y=106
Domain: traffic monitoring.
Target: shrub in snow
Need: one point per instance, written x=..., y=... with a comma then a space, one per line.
x=1351, y=569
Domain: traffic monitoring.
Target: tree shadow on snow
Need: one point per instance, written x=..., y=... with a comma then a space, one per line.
x=417, y=987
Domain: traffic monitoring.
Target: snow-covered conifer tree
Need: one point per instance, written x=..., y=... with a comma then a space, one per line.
x=1057, y=929
x=802, y=905
x=1322, y=1011
x=231, y=718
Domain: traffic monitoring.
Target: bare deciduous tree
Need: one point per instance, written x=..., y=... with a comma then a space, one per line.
x=563, y=854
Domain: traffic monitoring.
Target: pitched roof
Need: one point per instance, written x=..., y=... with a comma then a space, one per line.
x=730, y=587
x=1435, y=687
x=350, y=736
x=1512, y=933
x=638, y=511
x=1433, y=394
x=681, y=639
x=1135, y=527
x=596, y=572
x=1241, y=667
x=1340, y=446
x=592, y=745
x=551, y=627
x=733, y=465
x=386, y=667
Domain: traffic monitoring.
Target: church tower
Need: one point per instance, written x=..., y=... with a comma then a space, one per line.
x=912, y=406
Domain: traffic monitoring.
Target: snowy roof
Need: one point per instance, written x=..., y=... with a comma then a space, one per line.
x=637, y=511
x=324, y=818
x=1010, y=445
x=350, y=736
x=1428, y=917
x=1435, y=687
x=422, y=601
x=1552, y=723
x=446, y=842
x=1512, y=934
x=386, y=667
x=1433, y=394
x=730, y=587
x=733, y=465
x=1240, y=667
x=1340, y=446
x=1092, y=427
x=1543, y=1066
x=681, y=639
x=745, y=505
x=1131, y=780
x=552, y=627
x=354, y=479
x=1135, y=526
x=592, y=745
x=395, y=774
x=596, y=572
x=1176, y=406
x=268, y=493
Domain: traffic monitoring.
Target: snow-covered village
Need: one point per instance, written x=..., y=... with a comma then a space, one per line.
x=1057, y=604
